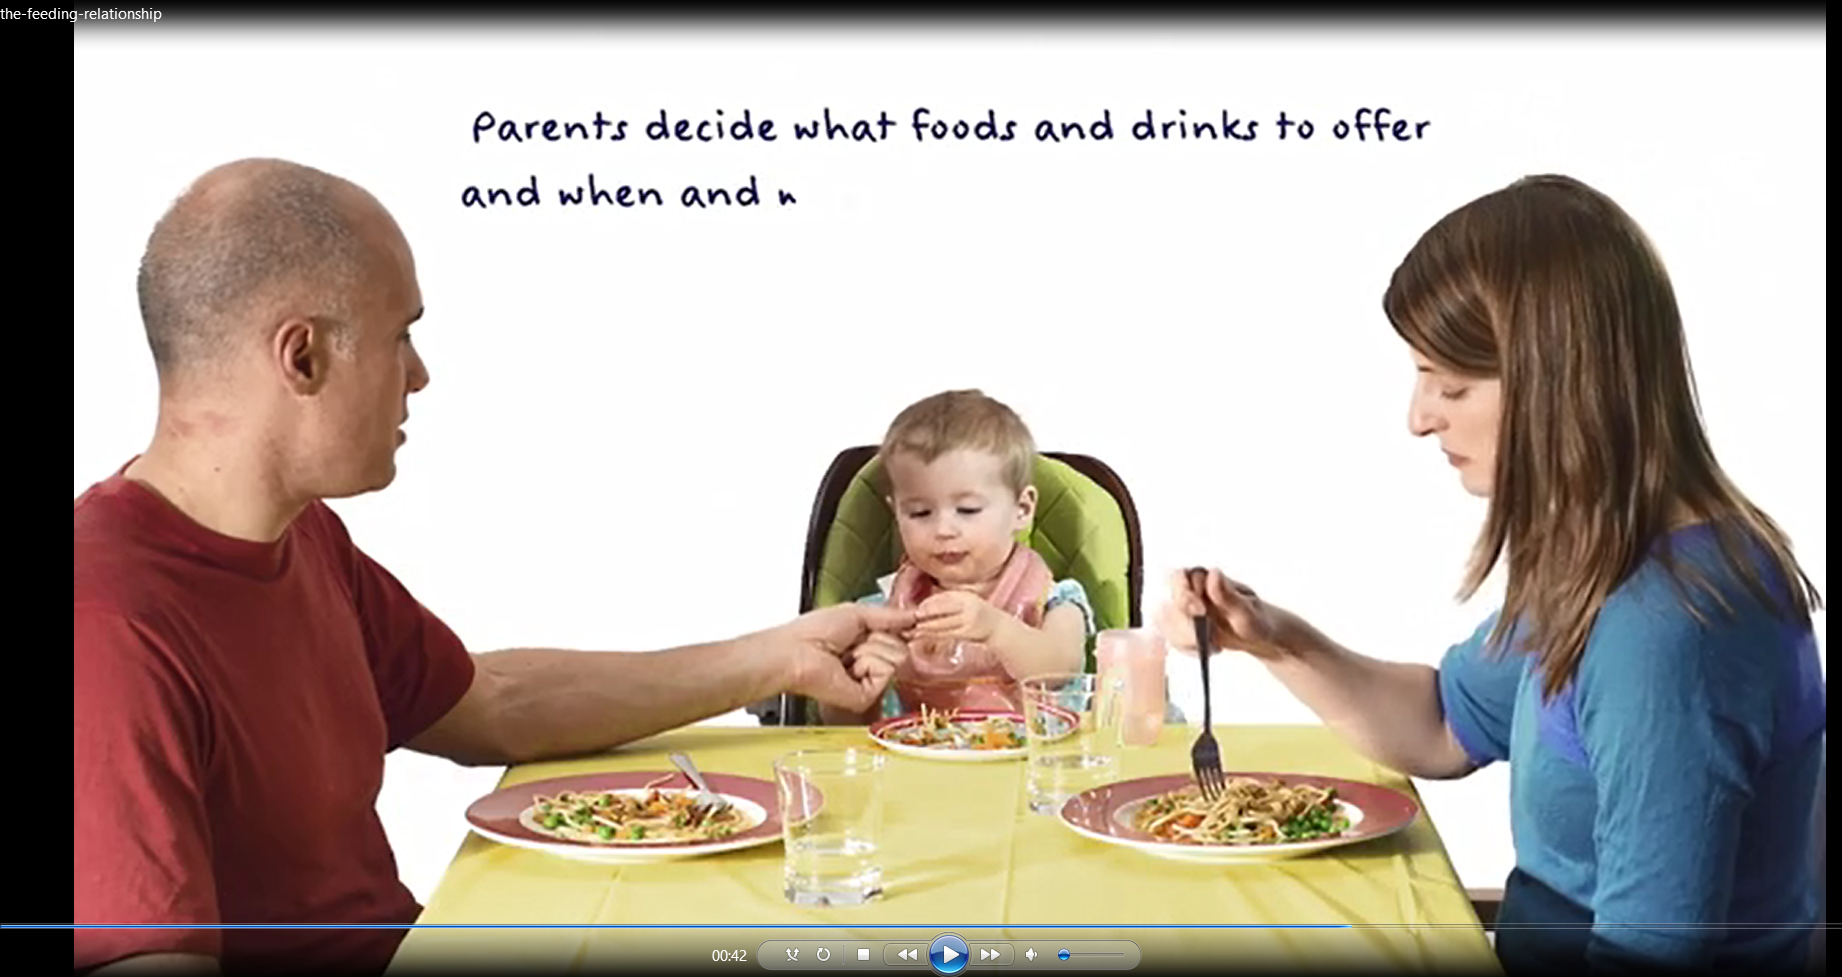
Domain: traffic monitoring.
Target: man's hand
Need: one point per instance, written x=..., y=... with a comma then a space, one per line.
x=876, y=659
x=844, y=656
x=957, y=615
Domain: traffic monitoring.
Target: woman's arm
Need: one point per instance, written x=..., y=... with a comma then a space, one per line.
x=1390, y=712
x=1676, y=720
x=1430, y=723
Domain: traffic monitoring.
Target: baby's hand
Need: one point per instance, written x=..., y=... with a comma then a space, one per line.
x=956, y=614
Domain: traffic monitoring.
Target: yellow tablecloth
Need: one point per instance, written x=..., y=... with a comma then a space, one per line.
x=962, y=852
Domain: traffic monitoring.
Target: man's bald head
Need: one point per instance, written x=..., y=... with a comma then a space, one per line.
x=247, y=243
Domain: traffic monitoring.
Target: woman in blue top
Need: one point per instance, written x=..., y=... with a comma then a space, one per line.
x=1652, y=677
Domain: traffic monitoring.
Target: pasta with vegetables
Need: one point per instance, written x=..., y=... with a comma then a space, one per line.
x=1247, y=812
x=947, y=730
x=646, y=816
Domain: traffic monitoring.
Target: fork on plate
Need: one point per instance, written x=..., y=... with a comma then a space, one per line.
x=708, y=801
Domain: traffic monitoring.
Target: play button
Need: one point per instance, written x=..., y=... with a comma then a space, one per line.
x=947, y=954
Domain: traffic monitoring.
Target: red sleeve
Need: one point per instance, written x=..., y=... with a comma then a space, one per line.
x=143, y=846
x=420, y=666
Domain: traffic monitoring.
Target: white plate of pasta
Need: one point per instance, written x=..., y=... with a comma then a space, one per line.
x=1258, y=817
x=629, y=816
x=968, y=735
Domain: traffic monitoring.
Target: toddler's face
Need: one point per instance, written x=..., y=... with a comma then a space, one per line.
x=956, y=516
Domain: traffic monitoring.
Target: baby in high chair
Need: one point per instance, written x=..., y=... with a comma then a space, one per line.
x=958, y=468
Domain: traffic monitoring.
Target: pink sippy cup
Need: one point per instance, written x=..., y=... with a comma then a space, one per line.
x=1131, y=666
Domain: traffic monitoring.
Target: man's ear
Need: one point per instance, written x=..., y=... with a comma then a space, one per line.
x=301, y=354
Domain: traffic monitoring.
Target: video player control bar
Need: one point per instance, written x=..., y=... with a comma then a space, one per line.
x=948, y=953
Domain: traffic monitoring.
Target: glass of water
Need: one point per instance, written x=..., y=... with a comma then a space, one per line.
x=1073, y=731
x=831, y=813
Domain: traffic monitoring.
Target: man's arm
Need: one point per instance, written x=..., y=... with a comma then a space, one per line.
x=525, y=704
x=529, y=704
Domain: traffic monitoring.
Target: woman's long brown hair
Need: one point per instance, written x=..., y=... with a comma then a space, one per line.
x=1550, y=287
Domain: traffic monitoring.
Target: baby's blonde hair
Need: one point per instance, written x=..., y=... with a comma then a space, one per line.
x=963, y=419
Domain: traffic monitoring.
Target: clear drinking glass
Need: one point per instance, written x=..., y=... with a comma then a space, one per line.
x=831, y=811
x=1073, y=729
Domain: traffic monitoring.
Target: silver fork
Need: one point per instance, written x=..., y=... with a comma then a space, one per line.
x=708, y=801
x=1205, y=756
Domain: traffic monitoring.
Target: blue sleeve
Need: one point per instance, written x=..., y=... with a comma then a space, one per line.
x=1675, y=718
x=873, y=600
x=1477, y=690
x=1071, y=592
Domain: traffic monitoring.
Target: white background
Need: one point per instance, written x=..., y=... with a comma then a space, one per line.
x=630, y=409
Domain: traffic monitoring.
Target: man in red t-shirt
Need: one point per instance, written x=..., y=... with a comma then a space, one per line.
x=242, y=668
